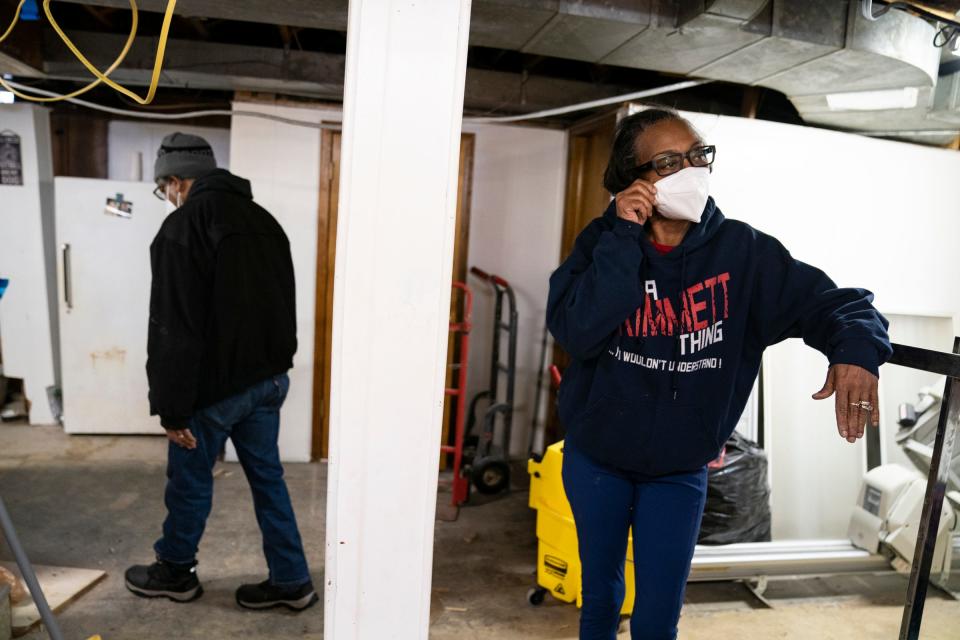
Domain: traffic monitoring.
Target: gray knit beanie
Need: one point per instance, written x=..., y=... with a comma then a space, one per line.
x=184, y=156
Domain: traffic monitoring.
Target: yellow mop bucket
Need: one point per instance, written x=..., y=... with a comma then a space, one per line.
x=558, y=561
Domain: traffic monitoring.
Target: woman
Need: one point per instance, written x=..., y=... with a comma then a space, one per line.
x=666, y=307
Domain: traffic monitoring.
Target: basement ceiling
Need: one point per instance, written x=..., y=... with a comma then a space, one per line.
x=532, y=54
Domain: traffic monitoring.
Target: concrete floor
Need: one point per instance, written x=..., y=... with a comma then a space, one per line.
x=97, y=502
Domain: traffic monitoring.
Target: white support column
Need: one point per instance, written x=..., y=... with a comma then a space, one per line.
x=403, y=99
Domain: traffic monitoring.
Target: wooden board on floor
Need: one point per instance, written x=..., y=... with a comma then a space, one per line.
x=61, y=585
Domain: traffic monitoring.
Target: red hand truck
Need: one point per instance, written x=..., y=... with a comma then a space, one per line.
x=461, y=485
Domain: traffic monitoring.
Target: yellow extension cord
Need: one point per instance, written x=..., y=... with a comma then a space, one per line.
x=123, y=54
x=101, y=77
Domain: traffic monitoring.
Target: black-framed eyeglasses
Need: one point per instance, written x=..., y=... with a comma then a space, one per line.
x=669, y=163
x=161, y=191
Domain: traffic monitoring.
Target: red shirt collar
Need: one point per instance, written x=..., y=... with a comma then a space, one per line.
x=662, y=249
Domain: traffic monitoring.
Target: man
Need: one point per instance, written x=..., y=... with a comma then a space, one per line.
x=222, y=337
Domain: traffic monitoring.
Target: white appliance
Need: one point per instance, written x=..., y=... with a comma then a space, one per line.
x=104, y=296
x=886, y=517
x=883, y=525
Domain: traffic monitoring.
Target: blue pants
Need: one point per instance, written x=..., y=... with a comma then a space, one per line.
x=252, y=421
x=665, y=514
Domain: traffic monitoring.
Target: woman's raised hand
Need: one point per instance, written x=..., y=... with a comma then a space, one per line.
x=635, y=203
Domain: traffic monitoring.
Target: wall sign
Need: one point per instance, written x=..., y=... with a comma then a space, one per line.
x=11, y=165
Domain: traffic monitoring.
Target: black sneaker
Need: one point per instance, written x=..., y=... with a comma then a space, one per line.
x=267, y=596
x=164, y=580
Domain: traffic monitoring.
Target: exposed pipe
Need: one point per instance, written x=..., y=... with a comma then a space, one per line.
x=866, y=10
x=627, y=97
x=582, y=106
x=180, y=116
x=908, y=132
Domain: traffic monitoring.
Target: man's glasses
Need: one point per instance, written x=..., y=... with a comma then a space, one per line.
x=161, y=191
x=669, y=163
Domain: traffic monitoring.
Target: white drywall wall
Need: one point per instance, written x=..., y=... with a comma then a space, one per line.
x=28, y=322
x=282, y=162
x=132, y=146
x=516, y=222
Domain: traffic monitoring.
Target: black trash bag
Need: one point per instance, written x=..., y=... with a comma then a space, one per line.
x=738, y=496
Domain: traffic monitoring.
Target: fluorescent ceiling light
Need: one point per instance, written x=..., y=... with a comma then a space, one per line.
x=6, y=97
x=905, y=98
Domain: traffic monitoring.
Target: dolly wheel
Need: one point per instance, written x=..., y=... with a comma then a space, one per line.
x=536, y=595
x=491, y=476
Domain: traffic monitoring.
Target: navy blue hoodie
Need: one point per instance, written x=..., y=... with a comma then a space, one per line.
x=666, y=348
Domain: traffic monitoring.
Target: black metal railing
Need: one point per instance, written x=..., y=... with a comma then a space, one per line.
x=947, y=364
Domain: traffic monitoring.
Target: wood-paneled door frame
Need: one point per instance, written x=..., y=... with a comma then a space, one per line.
x=323, y=320
x=326, y=256
x=588, y=150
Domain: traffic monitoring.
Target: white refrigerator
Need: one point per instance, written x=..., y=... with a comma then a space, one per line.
x=104, y=230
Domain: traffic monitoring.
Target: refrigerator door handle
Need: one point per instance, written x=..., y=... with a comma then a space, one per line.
x=67, y=277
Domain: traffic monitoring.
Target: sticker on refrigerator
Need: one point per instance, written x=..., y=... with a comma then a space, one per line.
x=119, y=207
x=3, y=286
x=11, y=166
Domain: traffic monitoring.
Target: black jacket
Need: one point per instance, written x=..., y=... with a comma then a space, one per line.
x=222, y=306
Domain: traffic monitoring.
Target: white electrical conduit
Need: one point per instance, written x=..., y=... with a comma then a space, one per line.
x=179, y=116
x=337, y=126
x=909, y=132
x=627, y=97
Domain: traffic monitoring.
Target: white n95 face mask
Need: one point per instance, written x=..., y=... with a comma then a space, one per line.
x=683, y=195
x=171, y=207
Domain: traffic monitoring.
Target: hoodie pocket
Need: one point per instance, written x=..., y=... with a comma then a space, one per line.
x=648, y=436
x=679, y=439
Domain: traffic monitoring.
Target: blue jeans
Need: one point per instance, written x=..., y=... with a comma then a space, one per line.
x=665, y=514
x=252, y=421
